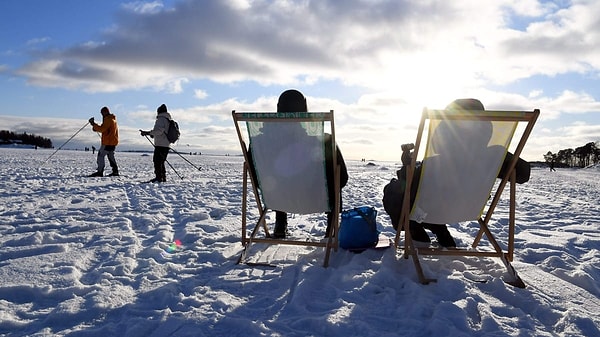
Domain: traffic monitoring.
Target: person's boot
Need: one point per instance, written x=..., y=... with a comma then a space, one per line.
x=417, y=233
x=96, y=174
x=115, y=173
x=280, y=225
x=280, y=229
x=444, y=238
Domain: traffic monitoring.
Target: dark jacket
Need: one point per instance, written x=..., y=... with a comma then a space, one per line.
x=329, y=167
x=393, y=192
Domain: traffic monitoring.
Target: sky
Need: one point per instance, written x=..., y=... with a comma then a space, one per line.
x=376, y=63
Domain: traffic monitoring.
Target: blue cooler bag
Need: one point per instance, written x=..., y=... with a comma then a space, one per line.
x=359, y=228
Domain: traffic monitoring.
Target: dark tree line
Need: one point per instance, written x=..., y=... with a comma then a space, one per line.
x=25, y=138
x=580, y=157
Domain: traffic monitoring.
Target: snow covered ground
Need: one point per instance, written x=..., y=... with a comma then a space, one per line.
x=97, y=257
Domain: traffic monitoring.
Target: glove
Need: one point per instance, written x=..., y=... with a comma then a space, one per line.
x=144, y=133
x=91, y=120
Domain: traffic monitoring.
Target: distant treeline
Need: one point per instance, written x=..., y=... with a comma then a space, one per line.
x=580, y=157
x=9, y=137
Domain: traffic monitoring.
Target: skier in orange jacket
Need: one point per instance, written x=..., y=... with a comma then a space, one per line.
x=110, y=140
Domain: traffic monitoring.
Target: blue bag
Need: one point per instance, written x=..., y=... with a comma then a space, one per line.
x=359, y=228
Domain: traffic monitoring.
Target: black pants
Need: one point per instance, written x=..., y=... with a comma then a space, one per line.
x=159, y=158
x=281, y=219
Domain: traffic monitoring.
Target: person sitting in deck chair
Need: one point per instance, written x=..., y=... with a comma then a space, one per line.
x=294, y=101
x=394, y=192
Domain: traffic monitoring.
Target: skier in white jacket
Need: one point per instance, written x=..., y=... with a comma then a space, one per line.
x=161, y=143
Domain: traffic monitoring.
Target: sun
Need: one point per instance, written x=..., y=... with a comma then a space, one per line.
x=428, y=79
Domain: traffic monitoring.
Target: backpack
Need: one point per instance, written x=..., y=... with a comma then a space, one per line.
x=522, y=169
x=358, y=229
x=393, y=194
x=173, y=132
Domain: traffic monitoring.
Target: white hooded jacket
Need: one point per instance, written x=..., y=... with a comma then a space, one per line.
x=161, y=127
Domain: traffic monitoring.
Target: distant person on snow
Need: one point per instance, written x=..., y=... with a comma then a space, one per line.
x=109, y=142
x=161, y=143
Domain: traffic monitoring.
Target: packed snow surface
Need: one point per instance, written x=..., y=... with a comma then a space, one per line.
x=109, y=256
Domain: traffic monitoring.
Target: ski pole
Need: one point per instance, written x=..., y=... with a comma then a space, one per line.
x=65, y=143
x=174, y=170
x=184, y=158
x=180, y=176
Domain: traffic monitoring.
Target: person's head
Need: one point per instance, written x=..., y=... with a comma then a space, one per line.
x=161, y=108
x=465, y=133
x=292, y=101
x=104, y=111
x=289, y=101
x=465, y=104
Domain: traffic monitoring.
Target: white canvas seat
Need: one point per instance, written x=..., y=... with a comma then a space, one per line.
x=286, y=165
x=464, y=154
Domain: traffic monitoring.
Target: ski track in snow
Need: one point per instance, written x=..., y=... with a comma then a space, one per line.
x=89, y=257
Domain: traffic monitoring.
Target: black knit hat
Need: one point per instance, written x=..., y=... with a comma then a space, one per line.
x=162, y=108
x=104, y=110
x=291, y=101
x=466, y=104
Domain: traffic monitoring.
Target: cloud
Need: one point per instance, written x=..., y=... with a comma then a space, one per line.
x=38, y=40
x=141, y=7
x=577, y=103
x=374, y=127
x=561, y=42
x=401, y=55
x=568, y=137
x=200, y=94
x=414, y=47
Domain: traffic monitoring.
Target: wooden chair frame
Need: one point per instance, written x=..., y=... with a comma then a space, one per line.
x=506, y=255
x=248, y=238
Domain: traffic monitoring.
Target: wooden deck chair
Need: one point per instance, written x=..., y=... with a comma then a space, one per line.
x=287, y=171
x=463, y=157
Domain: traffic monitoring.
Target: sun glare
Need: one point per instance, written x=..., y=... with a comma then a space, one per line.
x=428, y=80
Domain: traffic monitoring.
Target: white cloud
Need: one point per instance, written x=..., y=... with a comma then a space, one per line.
x=408, y=45
x=404, y=55
x=374, y=127
x=37, y=41
x=200, y=94
x=143, y=7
